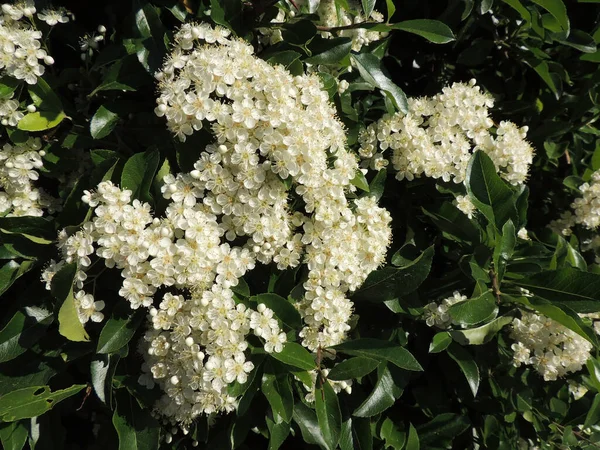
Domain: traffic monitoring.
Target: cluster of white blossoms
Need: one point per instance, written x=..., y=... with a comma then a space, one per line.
x=438, y=135
x=195, y=346
x=552, y=349
x=269, y=127
x=21, y=53
x=19, y=166
x=9, y=111
x=330, y=16
x=436, y=313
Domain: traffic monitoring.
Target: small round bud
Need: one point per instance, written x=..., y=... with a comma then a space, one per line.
x=42, y=153
x=101, y=29
x=31, y=108
x=189, y=341
x=174, y=380
x=49, y=60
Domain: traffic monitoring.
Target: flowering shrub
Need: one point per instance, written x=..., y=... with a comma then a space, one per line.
x=294, y=224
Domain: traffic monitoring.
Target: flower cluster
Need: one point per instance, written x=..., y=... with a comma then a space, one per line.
x=21, y=52
x=338, y=386
x=332, y=16
x=196, y=349
x=552, y=349
x=9, y=111
x=270, y=127
x=436, y=314
x=19, y=165
x=438, y=134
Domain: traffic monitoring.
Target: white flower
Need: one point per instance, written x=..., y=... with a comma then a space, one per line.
x=54, y=16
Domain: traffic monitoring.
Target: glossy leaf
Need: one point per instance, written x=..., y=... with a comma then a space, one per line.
x=295, y=355
x=432, y=30
x=136, y=428
x=68, y=319
x=467, y=365
x=351, y=368
x=103, y=122
x=474, y=311
x=380, y=351
x=32, y=401
x=384, y=395
x=329, y=416
x=119, y=329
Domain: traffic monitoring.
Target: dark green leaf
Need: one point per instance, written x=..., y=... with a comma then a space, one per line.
x=119, y=329
x=356, y=367
x=467, y=365
x=24, y=329
x=381, y=351
x=278, y=391
x=329, y=51
x=384, y=395
x=558, y=10
x=138, y=173
x=369, y=67
x=474, y=311
x=329, y=416
x=13, y=435
x=360, y=181
x=306, y=419
x=442, y=429
x=482, y=334
x=440, y=342
x=136, y=428
x=412, y=443
x=432, y=30
x=278, y=432
x=103, y=122
x=282, y=308
x=295, y=355
x=488, y=192
x=392, y=282
x=578, y=290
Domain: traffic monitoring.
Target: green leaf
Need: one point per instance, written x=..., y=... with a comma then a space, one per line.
x=11, y=271
x=138, y=173
x=43, y=96
x=481, y=335
x=369, y=67
x=474, y=311
x=23, y=331
x=352, y=368
x=518, y=6
x=581, y=41
x=392, y=282
x=32, y=401
x=329, y=51
x=440, y=342
x=412, y=443
x=278, y=432
x=136, y=428
x=119, y=329
x=360, y=181
x=8, y=85
x=103, y=122
x=68, y=320
x=329, y=415
x=295, y=355
x=432, y=30
x=40, y=120
x=368, y=6
x=392, y=435
x=593, y=415
x=377, y=185
x=283, y=309
x=36, y=229
x=384, y=394
x=278, y=391
x=558, y=10
x=504, y=248
x=488, y=192
x=442, y=430
x=467, y=364
x=381, y=351
x=102, y=370
x=356, y=434
x=13, y=435
x=578, y=290
x=124, y=74
x=306, y=419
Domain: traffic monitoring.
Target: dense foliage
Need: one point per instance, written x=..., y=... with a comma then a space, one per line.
x=300, y=224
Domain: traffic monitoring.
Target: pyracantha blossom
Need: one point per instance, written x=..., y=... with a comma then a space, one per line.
x=436, y=313
x=19, y=169
x=22, y=55
x=438, y=135
x=551, y=348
